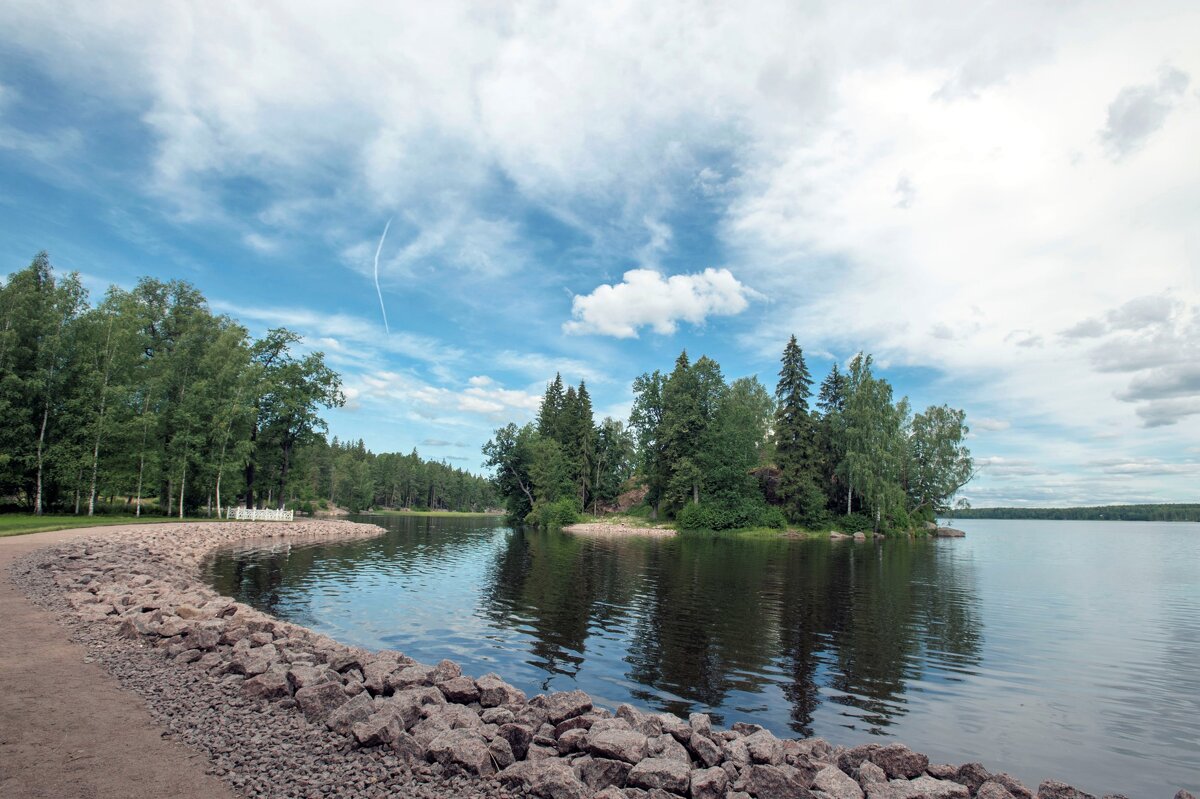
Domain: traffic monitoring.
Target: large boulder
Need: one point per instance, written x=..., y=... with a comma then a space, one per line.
x=661, y=772
x=549, y=779
x=1053, y=789
x=598, y=773
x=617, y=745
x=704, y=750
x=837, y=784
x=899, y=762
x=253, y=661
x=318, y=701
x=381, y=727
x=461, y=690
x=709, y=783
x=666, y=746
x=268, y=685
x=494, y=692
x=764, y=748
x=565, y=705
x=462, y=750
x=993, y=790
x=925, y=787
x=519, y=736
x=343, y=718
x=776, y=782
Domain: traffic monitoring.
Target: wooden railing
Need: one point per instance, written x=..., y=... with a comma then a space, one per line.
x=259, y=515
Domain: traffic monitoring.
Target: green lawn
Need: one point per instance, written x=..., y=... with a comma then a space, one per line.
x=21, y=523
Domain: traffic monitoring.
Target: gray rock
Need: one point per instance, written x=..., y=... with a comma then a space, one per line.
x=343, y=718
x=665, y=746
x=701, y=723
x=849, y=760
x=736, y=752
x=460, y=689
x=376, y=673
x=709, y=783
x=496, y=715
x=764, y=748
x=565, y=705
x=1182, y=794
x=971, y=775
x=409, y=677
x=776, y=782
x=899, y=762
x=837, y=784
x=993, y=790
x=381, y=727
x=571, y=741
x=1053, y=789
x=583, y=722
x=455, y=716
x=464, y=750
x=925, y=788
x=519, y=738
x=617, y=744
x=549, y=779
x=445, y=670
x=268, y=685
x=610, y=724
x=342, y=660
x=744, y=728
x=408, y=748
x=599, y=773
x=704, y=750
x=868, y=774
x=1013, y=785
x=501, y=752
x=253, y=661
x=318, y=701
x=660, y=772
x=943, y=771
x=494, y=692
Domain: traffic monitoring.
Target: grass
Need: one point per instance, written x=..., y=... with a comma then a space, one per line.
x=390, y=512
x=25, y=523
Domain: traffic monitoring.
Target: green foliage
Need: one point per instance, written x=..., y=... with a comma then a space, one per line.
x=730, y=516
x=559, y=513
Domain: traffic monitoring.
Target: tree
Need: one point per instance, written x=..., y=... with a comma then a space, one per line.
x=876, y=445
x=940, y=463
x=646, y=422
x=510, y=454
x=795, y=444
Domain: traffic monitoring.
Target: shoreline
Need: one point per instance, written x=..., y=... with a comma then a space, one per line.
x=317, y=715
x=618, y=530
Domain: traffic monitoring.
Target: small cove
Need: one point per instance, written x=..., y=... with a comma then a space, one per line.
x=1064, y=649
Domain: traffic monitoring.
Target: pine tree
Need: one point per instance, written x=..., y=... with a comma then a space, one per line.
x=549, y=422
x=795, y=450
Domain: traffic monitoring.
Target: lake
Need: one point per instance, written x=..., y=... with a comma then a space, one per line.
x=1043, y=648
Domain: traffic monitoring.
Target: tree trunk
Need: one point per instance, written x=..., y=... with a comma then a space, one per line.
x=37, y=502
x=283, y=471
x=142, y=454
x=250, y=462
x=182, y=486
x=849, y=495
x=695, y=493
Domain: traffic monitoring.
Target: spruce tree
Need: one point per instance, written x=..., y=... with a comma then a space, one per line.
x=794, y=445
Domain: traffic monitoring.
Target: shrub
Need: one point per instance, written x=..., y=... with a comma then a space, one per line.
x=729, y=515
x=554, y=514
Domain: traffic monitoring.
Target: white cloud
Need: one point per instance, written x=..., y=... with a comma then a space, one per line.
x=643, y=298
x=488, y=400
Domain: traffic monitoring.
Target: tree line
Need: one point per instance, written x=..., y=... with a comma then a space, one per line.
x=1168, y=512
x=715, y=454
x=149, y=398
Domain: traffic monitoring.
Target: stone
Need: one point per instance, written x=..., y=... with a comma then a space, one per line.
x=971, y=775
x=518, y=736
x=318, y=701
x=381, y=727
x=709, y=783
x=571, y=741
x=564, y=705
x=704, y=750
x=1182, y=794
x=501, y=752
x=599, y=773
x=1013, y=785
x=764, y=748
x=869, y=774
x=943, y=771
x=464, y=750
x=343, y=718
x=736, y=752
x=1053, y=789
x=583, y=722
x=342, y=660
x=836, y=783
x=617, y=744
x=455, y=716
x=376, y=673
x=494, y=692
x=496, y=715
x=899, y=762
x=661, y=772
x=206, y=638
x=253, y=661
x=445, y=670
x=701, y=723
x=667, y=747
x=268, y=685
x=745, y=728
x=461, y=690
x=924, y=787
x=610, y=724
x=549, y=779
x=993, y=790
x=409, y=677
x=408, y=748
x=776, y=782
x=305, y=676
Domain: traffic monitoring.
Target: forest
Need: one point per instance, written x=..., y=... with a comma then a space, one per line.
x=713, y=454
x=1177, y=512
x=147, y=402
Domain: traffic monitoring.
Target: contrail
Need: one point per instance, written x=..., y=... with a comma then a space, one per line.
x=377, y=289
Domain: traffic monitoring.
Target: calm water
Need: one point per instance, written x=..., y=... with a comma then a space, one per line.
x=1046, y=649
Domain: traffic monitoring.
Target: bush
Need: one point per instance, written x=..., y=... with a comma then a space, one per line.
x=555, y=514
x=729, y=516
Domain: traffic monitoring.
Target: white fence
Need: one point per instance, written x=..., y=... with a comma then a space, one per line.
x=259, y=515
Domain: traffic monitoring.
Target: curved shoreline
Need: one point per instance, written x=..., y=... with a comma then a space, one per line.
x=319, y=715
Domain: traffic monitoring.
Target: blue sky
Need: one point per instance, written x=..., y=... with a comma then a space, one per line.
x=999, y=202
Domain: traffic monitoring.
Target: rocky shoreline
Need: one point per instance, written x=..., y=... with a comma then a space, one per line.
x=606, y=529
x=283, y=711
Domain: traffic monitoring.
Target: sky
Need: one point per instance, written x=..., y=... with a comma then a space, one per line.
x=999, y=201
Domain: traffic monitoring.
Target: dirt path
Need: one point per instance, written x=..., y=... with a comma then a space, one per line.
x=66, y=727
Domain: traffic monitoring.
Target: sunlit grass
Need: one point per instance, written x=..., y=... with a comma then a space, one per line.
x=24, y=523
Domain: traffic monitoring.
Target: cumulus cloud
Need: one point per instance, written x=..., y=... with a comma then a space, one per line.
x=644, y=298
x=491, y=401
x=1139, y=111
